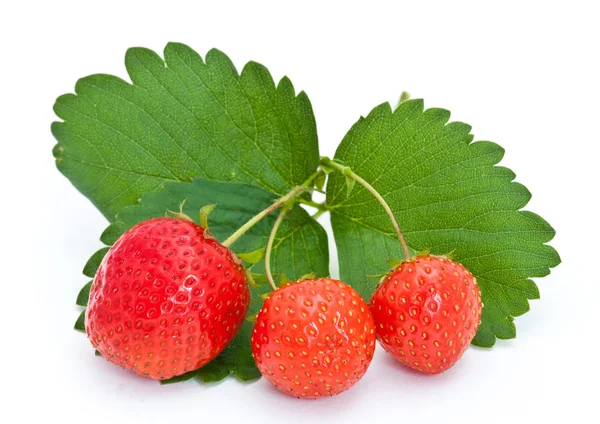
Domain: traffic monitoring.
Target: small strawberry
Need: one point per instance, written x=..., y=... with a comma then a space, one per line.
x=166, y=299
x=314, y=338
x=427, y=311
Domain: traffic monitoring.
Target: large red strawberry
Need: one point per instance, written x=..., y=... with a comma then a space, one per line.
x=427, y=311
x=314, y=338
x=166, y=299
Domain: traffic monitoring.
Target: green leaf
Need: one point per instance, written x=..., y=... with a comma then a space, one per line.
x=90, y=268
x=181, y=118
x=84, y=294
x=80, y=323
x=449, y=195
x=300, y=247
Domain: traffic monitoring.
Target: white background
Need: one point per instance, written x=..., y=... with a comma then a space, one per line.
x=523, y=74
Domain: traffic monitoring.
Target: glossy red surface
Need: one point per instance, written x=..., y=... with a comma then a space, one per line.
x=426, y=312
x=314, y=338
x=166, y=300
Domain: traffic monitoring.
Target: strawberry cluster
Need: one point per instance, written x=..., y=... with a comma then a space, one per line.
x=168, y=298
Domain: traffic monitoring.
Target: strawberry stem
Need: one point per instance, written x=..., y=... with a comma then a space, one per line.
x=270, y=247
x=348, y=173
x=308, y=185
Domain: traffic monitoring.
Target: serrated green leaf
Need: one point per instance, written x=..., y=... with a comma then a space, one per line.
x=181, y=118
x=448, y=194
x=91, y=266
x=80, y=323
x=300, y=246
x=84, y=294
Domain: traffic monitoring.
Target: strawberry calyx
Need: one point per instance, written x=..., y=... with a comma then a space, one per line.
x=180, y=215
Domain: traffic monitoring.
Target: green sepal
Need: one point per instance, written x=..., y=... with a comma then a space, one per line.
x=204, y=212
x=252, y=257
x=97, y=353
x=92, y=265
x=178, y=379
x=250, y=279
x=350, y=182
x=394, y=262
x=326, y=169
x=84, y=294
x=180, y=214
x=113, y=232
x=403, y=97
x=320, y=181
x=309, y=276
x=256, y=280
x=212, y=372
x=246, y=372
x=377, y=276
x=80, y=323
x=283, y=280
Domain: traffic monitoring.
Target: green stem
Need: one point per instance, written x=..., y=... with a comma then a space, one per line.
x=313, y=204
x=325, y=161
x=270, y=247
x=280, y=202
x=318, y=213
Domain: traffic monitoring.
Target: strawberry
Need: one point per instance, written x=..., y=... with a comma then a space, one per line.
x=166, y=299
x=314, y=338
x=427, y=311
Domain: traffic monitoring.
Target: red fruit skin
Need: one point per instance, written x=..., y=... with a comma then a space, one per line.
x=166, y=299
x=314, y=338
x=427, y=311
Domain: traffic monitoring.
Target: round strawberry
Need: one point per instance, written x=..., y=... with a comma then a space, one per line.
x=166, y=299
x=427, y=311
x=314, y=338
